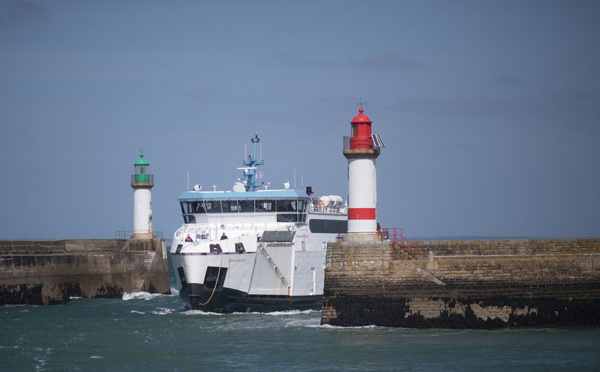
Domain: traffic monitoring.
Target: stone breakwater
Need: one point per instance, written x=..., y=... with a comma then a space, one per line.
x=463, y=284
x=51, y=272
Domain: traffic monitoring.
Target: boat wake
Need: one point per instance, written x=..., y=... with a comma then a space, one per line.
x=141, y=296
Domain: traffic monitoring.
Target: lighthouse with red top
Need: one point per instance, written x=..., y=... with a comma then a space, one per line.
x=362, y=149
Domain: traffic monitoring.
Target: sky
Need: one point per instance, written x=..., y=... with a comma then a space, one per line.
x=489, y=110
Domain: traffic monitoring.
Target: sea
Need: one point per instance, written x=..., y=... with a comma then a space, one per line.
x=153, y=332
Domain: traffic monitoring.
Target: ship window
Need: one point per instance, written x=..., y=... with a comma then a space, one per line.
x=192, y=207
x=189, y=218
x=286, y=205
x=186, y=208
x=328, y=226
x=246, y=205
x=213, y=206
x=281, y=217
x=301, y=206
x=239, y=248
x=198, y=207
x=265, y=206
x=230, y=206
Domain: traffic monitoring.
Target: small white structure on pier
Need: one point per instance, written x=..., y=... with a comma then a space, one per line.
x=142, y=182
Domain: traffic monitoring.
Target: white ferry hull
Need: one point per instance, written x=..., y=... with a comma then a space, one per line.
x=266, y=277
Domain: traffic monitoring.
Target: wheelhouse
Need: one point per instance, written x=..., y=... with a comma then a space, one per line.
x=196, y=207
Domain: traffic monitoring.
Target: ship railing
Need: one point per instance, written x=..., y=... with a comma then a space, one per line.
x=316, y=206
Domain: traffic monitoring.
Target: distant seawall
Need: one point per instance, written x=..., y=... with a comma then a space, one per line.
x=50, y=272
x=463, y=284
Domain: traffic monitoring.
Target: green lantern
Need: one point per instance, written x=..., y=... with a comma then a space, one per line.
x=142, y=170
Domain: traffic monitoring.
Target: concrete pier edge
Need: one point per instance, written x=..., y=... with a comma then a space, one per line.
x=53, y=271
x=463, y=284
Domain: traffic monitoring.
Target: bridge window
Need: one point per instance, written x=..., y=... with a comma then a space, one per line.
x=213, y=206
x=265, y=206
x=286, y=205
x=230, y=206
x=246, y=205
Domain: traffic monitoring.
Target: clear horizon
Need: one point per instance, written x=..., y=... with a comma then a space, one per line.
x=490, y=111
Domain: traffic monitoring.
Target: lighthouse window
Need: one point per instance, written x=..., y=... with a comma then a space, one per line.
x=141, y=169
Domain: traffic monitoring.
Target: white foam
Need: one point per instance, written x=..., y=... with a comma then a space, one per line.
x=290, y=312
x=343, y=328
x=200, y=312
x=163, y=311
x=140, y=296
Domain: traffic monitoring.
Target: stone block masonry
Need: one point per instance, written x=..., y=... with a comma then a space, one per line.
x=463, y=284
x=51, y=272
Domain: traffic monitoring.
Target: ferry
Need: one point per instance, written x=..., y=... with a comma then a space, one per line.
x=252, y=248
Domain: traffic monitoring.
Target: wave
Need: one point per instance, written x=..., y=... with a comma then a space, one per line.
x=141, y=296
x=287, y=312
x=329, y=326
x=200, y=312
x=163, y=311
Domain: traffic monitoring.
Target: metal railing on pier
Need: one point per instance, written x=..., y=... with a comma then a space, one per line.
x=400, y=243
x=124, y=234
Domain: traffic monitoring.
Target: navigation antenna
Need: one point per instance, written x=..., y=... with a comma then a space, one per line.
x=250, y=167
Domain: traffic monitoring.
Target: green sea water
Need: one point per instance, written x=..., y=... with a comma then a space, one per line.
x=144, y=332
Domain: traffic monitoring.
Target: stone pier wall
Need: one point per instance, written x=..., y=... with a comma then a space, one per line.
x=463, y=284
x=50, y=272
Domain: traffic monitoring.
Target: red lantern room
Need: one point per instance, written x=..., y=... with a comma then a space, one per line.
x=361, y=132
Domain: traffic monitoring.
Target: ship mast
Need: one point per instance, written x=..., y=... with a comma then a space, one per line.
x=251, y=167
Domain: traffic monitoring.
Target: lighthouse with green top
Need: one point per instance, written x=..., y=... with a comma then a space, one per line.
x=142, y=182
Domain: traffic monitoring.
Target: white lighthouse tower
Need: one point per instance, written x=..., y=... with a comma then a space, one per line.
x=361, y=149
x=142, y=182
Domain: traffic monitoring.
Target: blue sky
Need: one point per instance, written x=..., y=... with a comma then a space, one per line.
x=490, y=110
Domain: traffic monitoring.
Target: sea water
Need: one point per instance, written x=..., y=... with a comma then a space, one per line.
x=144, y=332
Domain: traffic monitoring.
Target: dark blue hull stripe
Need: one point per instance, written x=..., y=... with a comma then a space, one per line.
x=227, y=300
